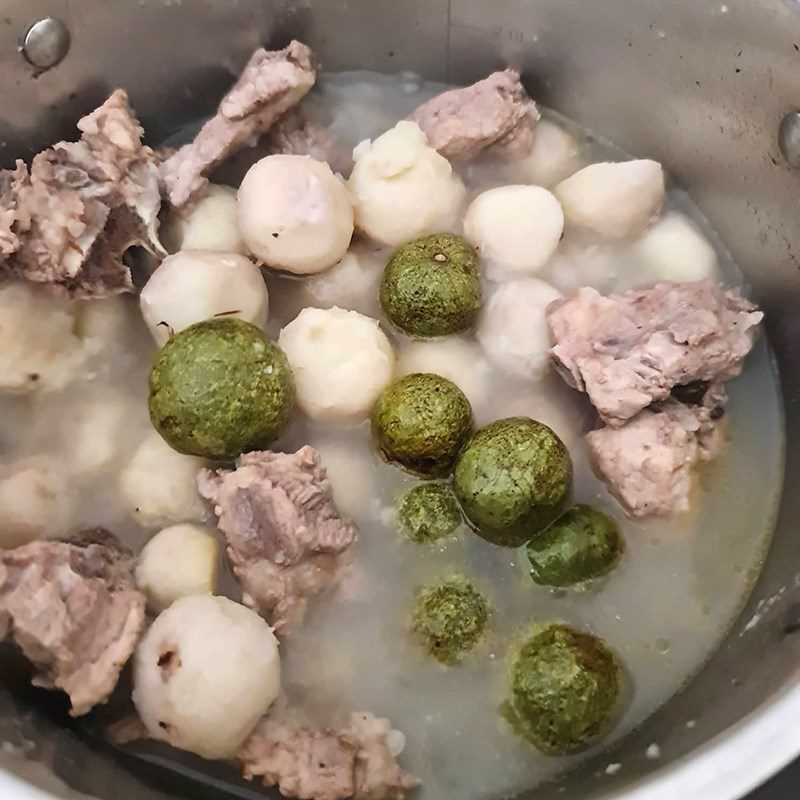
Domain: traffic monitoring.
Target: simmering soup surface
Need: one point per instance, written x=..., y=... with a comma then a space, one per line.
x=663, y=610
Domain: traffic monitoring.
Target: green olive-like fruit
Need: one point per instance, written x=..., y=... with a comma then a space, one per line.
x=565, y=687
x=580, y=545
x=513, y=479
x=421, y=422
x=220, y=388
x=431, y=286
x=429, y=512
x=449, y=618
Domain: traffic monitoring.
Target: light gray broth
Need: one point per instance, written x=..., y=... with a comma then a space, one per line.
x=664, y=609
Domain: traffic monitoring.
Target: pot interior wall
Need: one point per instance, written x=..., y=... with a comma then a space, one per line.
x=701, y=86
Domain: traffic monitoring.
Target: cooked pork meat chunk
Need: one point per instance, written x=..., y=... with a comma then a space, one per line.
x=72, y=608
x=271, y=83
x=647, y=463
x=629, y=350
x=377, y=773
x=11, y=180
x=461, y=123
x=286, y=539
x=295, y=134
x=312, y=763
x=518, y=142
x=83, y=204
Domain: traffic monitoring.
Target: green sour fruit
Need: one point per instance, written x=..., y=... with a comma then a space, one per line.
x=580, y=545
x=513, y=479
x=565, y=686
x=220, y=388
x=421, y=422
x=449, y=618
x=428, y=512
x=431, y=287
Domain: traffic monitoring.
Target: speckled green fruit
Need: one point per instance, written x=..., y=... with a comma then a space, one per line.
x=580, y=545
x=565, y=686
x=513, y=479
x=431, y=286
x=449, y=618
x=429, y=512
x=421, y=423
x=220, y=388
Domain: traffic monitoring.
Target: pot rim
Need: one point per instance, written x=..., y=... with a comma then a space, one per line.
x=726, y=767
x=735, y=761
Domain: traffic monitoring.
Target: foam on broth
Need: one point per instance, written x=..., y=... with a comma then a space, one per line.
x=664, y=609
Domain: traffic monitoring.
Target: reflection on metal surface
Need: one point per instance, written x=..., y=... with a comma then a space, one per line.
x=789, y=138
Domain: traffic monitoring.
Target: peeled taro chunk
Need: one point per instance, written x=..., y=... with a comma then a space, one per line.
x=271, y=83
x=286, y=539
x=496, y=111
x=72, y=608
x=69, y=220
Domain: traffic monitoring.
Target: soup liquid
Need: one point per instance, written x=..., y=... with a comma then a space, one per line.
x=664, y=609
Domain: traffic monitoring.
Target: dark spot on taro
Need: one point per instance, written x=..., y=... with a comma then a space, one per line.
x=275, y=235
x=165, y=658
x=717, y=413
x=162, y=724
x=34, y=376
x=168, y=661
x=168, y=327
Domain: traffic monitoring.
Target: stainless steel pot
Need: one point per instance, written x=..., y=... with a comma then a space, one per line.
x=702, y=85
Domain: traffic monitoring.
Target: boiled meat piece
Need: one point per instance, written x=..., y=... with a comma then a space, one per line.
x=647, y=463
x=271, y=83
x=629, y=350
x=295, y=134
x=11, y=180
x=305, y=761
x=83, y=204
x=286, y=539
x=72, y=608
x=461, y=123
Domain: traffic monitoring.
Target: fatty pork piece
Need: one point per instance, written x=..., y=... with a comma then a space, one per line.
x=358, y=760
x=69, y=220
x=72, y=608
x=271, y=83
x=647, y=463
x=497, y=111
x=286, y=539
x=629, y=350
